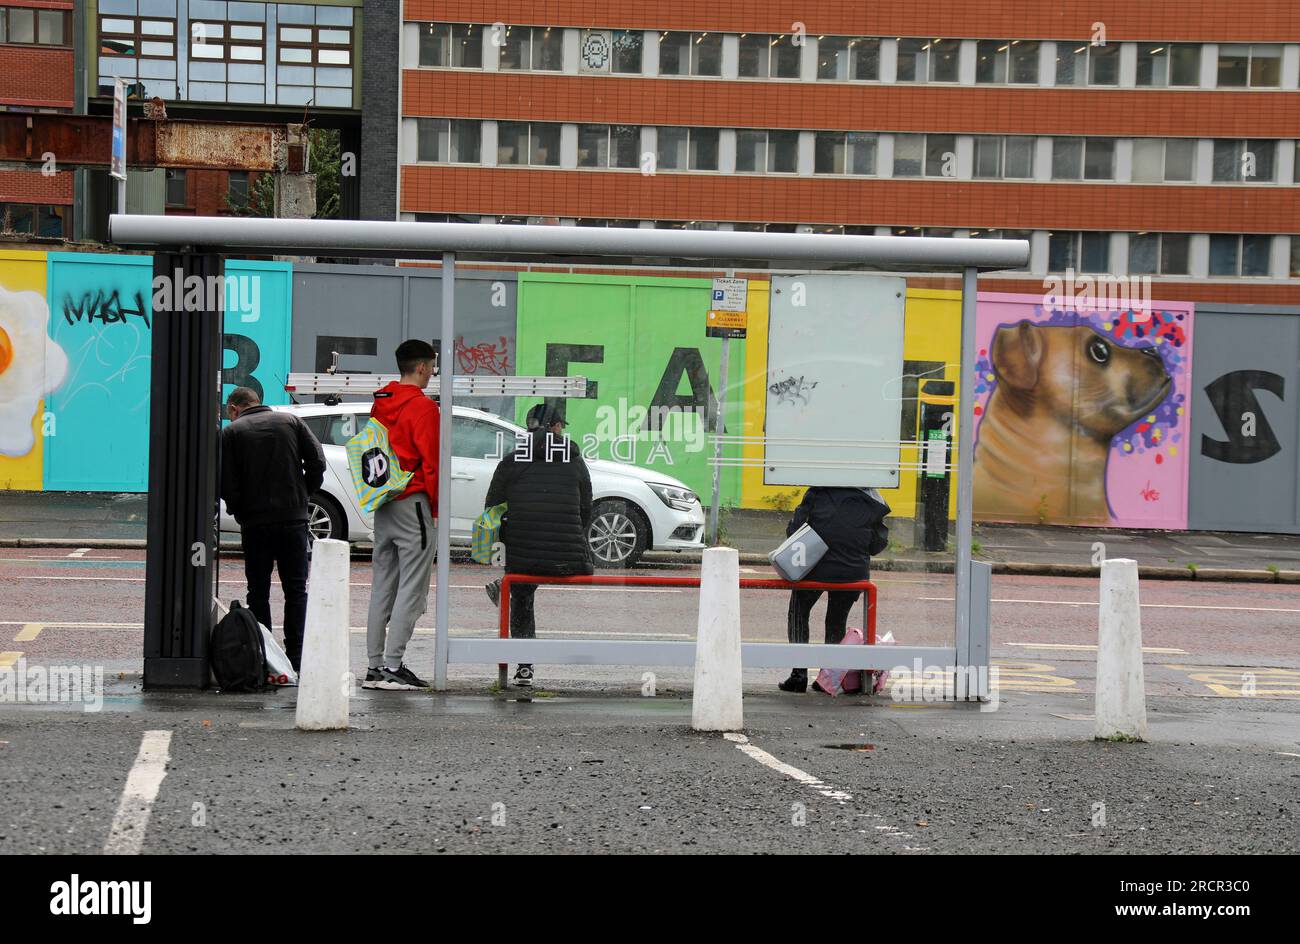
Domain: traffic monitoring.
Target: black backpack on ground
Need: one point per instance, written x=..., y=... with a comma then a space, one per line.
x=237, y=651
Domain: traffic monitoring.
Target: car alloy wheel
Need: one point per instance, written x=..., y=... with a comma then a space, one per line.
x=320, y=523
x=613, y=537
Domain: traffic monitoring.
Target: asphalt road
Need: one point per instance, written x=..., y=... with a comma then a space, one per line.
x=589, y=764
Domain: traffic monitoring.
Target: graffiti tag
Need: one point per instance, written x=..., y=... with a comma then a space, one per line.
x=1149, y=493
x=104, y=308
x=792, y=389
x=486, y=358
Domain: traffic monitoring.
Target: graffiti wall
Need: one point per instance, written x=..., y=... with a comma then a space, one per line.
x=364, y=312
x=641, y=340
x=101, y=315
x=1245, y=442
x=32, y=366
x=1083, y=415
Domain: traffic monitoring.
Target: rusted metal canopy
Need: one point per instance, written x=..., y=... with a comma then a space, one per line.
x=85, y=140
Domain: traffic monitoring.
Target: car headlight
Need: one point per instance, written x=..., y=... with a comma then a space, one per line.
x=683, y=499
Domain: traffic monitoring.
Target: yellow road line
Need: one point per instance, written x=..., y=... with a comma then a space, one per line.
x=29, y=632
x=9, y=658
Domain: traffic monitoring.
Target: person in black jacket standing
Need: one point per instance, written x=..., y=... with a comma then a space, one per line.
x=851, y=523
x=270, y=464
x=547, y=490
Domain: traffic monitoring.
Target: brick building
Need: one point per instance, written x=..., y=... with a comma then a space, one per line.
x=1158, y=139
x=37, y=74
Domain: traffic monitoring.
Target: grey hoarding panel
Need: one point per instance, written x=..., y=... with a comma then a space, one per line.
x=1245, y=444
x=364, y=312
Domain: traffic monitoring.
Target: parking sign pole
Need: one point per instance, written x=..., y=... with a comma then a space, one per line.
x=717, y=434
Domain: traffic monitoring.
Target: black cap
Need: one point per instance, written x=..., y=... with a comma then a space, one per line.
x=544, y=416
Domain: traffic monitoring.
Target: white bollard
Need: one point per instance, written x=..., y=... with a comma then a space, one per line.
x=716, y=701
x=1121, y=693
x=325, y=684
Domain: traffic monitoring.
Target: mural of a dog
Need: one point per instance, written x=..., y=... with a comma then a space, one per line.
x=1063, y=392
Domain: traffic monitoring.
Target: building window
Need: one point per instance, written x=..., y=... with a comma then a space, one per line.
x=1245, y=256
x=175, y=187
x=999, y=61
x=451, y=45
x=839, y=152
x=998, y=157
x=933, y=60
x=929, y=155
x=1153, y=65
x=606, y=146
x=316, y=45
x=1086, y=64
x=36, y=27
x=540, y=49
x=521, y=143
x=772, y=152
x=1083, y=252
x=627, y=51
x=1244, y=161
x=237, y=189
x=1295, y=257
x=1083, y=159
x=688, y=148
x=674, y=53
x=1250, y=66
x=1158, y=253
x=448, y=140
x=33, y=220
x=768, y=56
x=706, y=54
x=1159, y=160
x=227, y=42
x=841, y=59
x=138, y=37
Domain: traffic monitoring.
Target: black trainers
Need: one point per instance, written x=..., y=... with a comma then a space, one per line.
x=524, y=676
x=373, y=678
x=400, y=679
x=493, y=591
x=797, y=682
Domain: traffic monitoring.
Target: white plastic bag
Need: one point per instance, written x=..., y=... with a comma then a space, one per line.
x=279, y=670
x=882, y=675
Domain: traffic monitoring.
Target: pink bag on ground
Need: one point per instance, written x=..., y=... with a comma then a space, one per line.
x=847, y=680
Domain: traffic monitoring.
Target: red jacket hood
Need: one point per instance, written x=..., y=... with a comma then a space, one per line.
x=390, y=398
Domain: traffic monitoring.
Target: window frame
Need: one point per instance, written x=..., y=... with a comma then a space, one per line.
x=138, y=37
x=849, y=56
x=449, y=38
x=227, y=41
x=315, y=46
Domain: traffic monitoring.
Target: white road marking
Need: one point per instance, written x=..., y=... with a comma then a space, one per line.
x=126, y=837
x=80, y=552
x=1286, y=754
x=1145, y=606
x=802, y=776
x=1080, y=647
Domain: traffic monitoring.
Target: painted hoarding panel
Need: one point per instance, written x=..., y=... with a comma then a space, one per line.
x=1083, y=414
x=32, y=366
x=259, y=299
x=1245, y=444
x=364, y=312
x=101, y=314
x=641, y=340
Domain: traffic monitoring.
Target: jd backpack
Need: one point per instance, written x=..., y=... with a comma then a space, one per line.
x=237, y=652
x=377, y=476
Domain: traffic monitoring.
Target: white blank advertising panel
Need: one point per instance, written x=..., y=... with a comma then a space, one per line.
x=834, y=359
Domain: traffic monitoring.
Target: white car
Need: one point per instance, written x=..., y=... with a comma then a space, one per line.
x=635, y=509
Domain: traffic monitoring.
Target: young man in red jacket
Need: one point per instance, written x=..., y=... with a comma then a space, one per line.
x=404, y=527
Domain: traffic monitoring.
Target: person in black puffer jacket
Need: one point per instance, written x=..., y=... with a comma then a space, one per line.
x=852, y=523
x=546, y=487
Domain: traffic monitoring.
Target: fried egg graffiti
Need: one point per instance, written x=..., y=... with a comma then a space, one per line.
x=31, y=366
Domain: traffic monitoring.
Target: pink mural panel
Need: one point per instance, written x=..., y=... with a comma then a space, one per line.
x=1082, y=412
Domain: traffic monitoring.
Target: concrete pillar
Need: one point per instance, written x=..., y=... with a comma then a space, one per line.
x=325, y=684
x=1121, y=693
x=716, y=700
